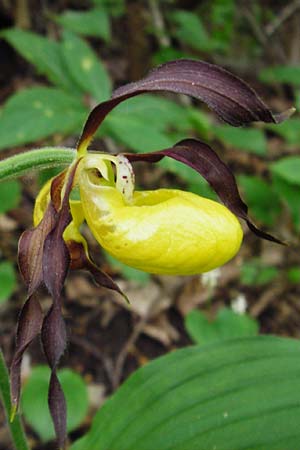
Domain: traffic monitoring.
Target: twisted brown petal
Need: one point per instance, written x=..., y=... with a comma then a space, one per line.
x=56, y=258
x=54, y=342
x=30, y=251
x=81, y=260
x=56, y=262
x=202, y=158
x=30, y=258
x=229, y=96
x=29, y=326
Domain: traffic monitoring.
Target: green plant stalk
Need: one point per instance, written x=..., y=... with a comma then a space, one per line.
x=16, y=428
x=41, y=158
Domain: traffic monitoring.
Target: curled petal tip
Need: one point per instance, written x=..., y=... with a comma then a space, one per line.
x=126, y=299
x=281, y=117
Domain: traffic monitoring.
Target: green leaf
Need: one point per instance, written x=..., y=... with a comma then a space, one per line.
x=249, y=139
x=261, y=198
x=289, y=130
x=226, y=325
x=128, y=272
x=297, y=99
x=239, y=394
x=10, y=195
x=94, y=22
x=136, y=134
x=158, y=112
x=190, y=30
x=281, y=74
x=114, y=7
x=201, y=187
x=287, y=168
x=255, y=273
x=37, y=113
x=85, y=67
x=222, y=19
x=145, y=123
x=35, y=405
x=289, y=193
x=7, y=280
x=193, y=179
x=293, y=274
x=47, y=174
x=165, y=54
x=201, y=123
x=43, y=53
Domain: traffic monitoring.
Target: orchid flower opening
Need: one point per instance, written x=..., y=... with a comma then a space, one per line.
x=164, y=231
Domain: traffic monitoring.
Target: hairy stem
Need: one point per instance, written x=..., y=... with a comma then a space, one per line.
x=16, y=429
x=38, y=159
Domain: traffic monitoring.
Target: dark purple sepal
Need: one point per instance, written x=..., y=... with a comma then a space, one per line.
x=230, y=97
x=202, y=158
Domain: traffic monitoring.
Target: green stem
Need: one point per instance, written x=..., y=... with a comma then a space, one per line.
x=16, y=429
x=38, y=159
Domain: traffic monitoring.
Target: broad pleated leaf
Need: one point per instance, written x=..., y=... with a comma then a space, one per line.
x=38, y=112
x=205, y=160
x=230, y=97
x=239, y=394
x=85, y=67
x=94, y=22
x=43, y=53
x=287, y=168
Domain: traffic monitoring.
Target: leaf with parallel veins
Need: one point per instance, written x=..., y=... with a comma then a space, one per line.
x=202, y=158
x=230, y=97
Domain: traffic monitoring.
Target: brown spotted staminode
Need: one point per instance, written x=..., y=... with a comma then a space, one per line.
x=55, y=245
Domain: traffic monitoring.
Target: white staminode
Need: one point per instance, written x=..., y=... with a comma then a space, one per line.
x=124, y=173
x=124, y=177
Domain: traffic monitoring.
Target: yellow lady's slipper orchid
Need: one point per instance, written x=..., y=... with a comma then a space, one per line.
x=164, y=231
